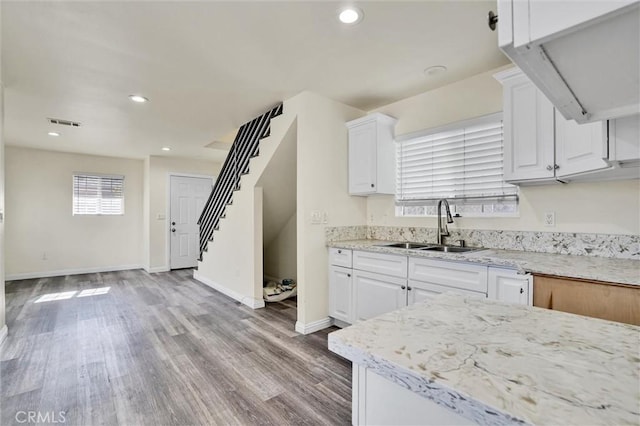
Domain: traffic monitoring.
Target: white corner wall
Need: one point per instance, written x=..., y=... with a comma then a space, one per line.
x=322, y=186
x=3, y=329
x=596, y=207
x=42, y=237
x=157, y=171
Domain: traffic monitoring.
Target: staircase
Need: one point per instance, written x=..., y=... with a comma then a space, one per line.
x=245, y=147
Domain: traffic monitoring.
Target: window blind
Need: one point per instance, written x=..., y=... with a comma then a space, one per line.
x=463, y=163
x=98, y=194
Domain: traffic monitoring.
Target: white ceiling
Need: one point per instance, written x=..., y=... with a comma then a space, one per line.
x=208, y=67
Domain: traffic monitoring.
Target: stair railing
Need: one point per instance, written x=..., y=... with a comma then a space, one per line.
x=245, y=146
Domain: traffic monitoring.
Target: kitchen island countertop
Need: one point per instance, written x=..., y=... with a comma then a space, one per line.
x=497, y=363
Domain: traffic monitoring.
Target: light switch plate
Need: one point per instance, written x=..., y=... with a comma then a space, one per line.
x=160, y=216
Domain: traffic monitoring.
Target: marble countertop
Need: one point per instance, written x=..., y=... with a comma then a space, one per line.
x=623, y=271
x=497, y=363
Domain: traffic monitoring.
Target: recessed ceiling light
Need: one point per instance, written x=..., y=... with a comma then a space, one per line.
x=53, y=134
x=138, y=98
x=435, y=70
x=350, y=15
x=166, y=148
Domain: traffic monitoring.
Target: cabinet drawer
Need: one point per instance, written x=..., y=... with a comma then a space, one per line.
x=450, y=274
x=387, y=264
x=421, y=291
x=340, y=257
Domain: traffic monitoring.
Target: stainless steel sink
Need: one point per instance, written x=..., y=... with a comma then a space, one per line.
x=408, y=246
x=451, y=249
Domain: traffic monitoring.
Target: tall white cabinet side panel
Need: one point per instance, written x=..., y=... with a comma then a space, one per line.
x=386, y=166
x=580, y=148
x=363, y=158
x=340, y=293
x=376, y=294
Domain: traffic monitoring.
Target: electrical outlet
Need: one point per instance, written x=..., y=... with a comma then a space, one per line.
x=325, y=217
x=550, y=219
x=44, y=255
x=316, y=217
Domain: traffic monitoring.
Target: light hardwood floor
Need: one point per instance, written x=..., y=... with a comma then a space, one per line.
x=161, y=349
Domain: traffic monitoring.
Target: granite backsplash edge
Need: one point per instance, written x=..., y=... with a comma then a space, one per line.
x=579, y=244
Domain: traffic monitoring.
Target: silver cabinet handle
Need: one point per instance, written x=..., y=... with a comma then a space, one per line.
x=521, y=290
x=549, y=167
x=339, y=251
x=403, y=287
x=409, y=288
x=173, y=229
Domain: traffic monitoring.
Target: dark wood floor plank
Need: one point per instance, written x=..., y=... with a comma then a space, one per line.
x=151, y=349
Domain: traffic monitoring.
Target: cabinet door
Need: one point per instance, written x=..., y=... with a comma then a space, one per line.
x=376, y=294
x=528, y=132
x=362, y=158
x=340, y=294
x=507, y=285
x=580, y=147
x=418, y=291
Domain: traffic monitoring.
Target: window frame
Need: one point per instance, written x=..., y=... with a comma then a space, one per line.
x=101, y=176
x=429, y=203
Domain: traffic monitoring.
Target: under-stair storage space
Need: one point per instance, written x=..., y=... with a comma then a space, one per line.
x=371, y=155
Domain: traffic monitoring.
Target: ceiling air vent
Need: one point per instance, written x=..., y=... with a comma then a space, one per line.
x=63, y=122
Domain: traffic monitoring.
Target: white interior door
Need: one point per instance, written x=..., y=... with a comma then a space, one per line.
x=187, y=198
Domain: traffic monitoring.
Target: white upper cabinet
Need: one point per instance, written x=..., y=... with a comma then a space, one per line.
x=580, y=147
x=528, y=130
x=540, y=145
x=583, y=55
x=372, y=155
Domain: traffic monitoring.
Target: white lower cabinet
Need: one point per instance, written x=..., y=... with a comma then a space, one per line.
x=341, y=293
x=376, y=294
x=379, y=401
x=379, y=283
x=507, y=285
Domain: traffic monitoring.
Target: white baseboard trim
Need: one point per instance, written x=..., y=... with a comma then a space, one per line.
x=157, y=269
x=62, y=272
x=314, y=326
x=4, y=331
x=245, y=300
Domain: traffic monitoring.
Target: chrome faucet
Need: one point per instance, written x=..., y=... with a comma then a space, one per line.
x=442, y=227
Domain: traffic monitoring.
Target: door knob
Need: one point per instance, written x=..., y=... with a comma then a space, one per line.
x=173, y=229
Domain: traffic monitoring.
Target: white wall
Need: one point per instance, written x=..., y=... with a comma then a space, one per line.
x=322, y=186
x=42, y=235
x=603, y=207
x=2, y=161
x=157, y=170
